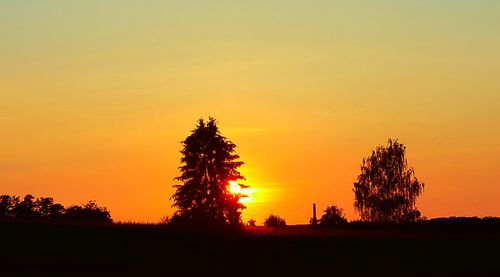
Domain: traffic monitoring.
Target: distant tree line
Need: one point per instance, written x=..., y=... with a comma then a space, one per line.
x=44, y=209
x=332, y=216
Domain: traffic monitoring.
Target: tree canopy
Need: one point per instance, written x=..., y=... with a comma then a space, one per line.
x=387, y=189
x=332, y=216
x=209, y=163
x=274, y=221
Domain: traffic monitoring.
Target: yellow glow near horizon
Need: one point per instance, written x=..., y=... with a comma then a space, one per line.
x=248, y=192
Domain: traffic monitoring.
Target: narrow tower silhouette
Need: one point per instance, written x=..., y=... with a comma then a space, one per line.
x=314, y=220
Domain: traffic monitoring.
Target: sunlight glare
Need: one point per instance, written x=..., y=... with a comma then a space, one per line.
x=235, y=188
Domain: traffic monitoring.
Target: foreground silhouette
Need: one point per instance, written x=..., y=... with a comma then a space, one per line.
x=208, y=165
x=274, y=221
x=387, y=189
x=368, y=249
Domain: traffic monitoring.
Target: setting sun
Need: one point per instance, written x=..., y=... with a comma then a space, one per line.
x=234, y=187
x=246, y=193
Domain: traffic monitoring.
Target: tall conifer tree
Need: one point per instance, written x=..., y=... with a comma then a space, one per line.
x=209, y=163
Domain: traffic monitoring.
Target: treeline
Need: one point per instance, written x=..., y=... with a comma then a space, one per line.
x=332, y=216
x=44, y=209
x=465, y=220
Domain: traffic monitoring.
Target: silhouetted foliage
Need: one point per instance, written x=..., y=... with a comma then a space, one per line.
x=165, y=219
x=26, y=208
x=274, y=221
x=44, y=209
x=491, y=219
x=332, y=216
x=90, y=212
x=208, y=165
x=251, y=223
x=7, y=205
x=49, y=210
x=387, y=189
x=461, y=219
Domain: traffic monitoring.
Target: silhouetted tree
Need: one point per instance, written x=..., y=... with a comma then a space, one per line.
x=208, y=165
x=7, y=205
x=332, y=216
x=251, y=223
x=25, y=209
x=387, y=189
x=274, y=221
x=47, y=209
x=90, y=212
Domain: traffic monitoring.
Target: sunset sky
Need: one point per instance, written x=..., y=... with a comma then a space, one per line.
x=95, y=97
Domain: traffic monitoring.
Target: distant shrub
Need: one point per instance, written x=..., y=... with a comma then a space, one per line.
x=251, y=223
x=332, y=216
x=274, y=221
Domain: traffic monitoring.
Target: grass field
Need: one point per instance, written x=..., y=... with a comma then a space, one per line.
x=156, y=250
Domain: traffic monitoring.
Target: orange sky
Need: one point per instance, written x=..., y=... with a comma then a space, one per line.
x=96, y=96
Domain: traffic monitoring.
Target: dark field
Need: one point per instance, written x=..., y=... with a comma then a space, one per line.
x=155, y=250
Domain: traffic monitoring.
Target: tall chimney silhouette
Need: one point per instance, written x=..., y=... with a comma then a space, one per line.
x=314, y=219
